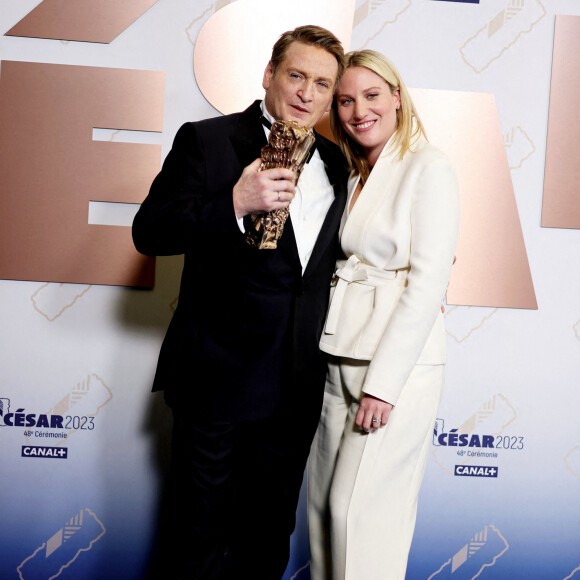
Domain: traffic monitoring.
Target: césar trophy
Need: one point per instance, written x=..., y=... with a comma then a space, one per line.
x=288, y=146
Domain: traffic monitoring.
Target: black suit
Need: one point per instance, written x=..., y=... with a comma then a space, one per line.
x=242, y=347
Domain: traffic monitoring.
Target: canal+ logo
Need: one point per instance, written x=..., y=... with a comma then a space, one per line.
x=476, y=471
x=43, y=451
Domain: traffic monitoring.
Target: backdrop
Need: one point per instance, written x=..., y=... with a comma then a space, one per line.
x=84, y=445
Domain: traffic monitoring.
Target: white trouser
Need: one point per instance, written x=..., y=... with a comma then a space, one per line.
x=363, y=488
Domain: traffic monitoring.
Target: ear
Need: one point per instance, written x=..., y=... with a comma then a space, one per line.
x=327, y=110
x=397, y=95
x=267, y=76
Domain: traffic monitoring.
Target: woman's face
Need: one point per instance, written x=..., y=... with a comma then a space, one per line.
x=367, y=109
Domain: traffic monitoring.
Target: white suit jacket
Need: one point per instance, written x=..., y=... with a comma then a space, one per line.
x=399, y=241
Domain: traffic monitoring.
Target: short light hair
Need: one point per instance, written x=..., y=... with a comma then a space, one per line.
x=314, y=36
x=409, y=127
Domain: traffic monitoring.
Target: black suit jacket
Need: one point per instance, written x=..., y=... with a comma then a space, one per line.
x=245, y=333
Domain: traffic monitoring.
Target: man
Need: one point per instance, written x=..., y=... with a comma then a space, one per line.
x=240, y=364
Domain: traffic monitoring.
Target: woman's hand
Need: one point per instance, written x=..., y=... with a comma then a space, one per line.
x=372, y=408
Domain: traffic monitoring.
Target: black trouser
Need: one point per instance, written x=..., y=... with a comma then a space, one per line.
x=233, y=494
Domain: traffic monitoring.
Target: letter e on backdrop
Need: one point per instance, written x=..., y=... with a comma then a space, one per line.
x=52, y=169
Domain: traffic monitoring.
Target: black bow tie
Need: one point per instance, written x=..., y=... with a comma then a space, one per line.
x=268, y=126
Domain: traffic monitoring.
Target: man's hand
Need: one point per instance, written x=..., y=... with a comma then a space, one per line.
x=373, y=408
x=262, y=191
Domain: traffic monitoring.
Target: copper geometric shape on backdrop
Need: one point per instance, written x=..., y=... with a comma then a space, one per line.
x=234, y=46
x=561, y=202
x=81, y=20
x=52, y=169
x=492, y=266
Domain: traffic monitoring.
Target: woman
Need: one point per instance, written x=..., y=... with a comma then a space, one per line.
x=384, y=329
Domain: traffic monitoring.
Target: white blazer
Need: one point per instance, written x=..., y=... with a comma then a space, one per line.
x=399, y=241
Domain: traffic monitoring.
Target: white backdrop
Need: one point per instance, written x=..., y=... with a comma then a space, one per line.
x=90, y=351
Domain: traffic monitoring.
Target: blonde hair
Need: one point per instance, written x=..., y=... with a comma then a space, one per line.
x=409, y=127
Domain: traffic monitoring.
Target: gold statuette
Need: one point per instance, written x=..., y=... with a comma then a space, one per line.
x=288, y=146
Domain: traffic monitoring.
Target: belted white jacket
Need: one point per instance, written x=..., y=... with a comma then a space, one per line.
x=399, y=242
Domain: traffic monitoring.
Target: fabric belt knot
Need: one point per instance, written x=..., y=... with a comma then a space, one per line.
x=344, y=276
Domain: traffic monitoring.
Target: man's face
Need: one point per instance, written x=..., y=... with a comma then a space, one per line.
x=301, y=89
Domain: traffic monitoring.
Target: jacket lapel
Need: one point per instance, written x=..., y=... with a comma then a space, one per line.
x=249, y=137
x=337, y=175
